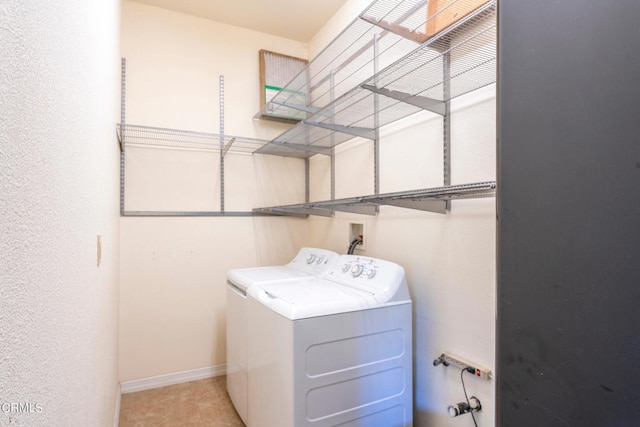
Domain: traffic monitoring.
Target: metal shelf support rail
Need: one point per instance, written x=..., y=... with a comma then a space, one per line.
x=333, y=138
x=376, y=122
x=430, y=199
x=222, y=147
x=446, y=124
x=123, y=92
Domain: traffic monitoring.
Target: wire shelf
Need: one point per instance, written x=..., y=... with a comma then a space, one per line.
x=148, y=136
x=397, y=27
x=416, y=82
x=429, y=199
x=350, y=58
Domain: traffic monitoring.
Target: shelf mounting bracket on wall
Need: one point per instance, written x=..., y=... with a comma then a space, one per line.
x=362, y=209
x=228, y=146
x=435, y=206
x=299, y=211
x=429, y=104
x=350, y=130
x=397, y=29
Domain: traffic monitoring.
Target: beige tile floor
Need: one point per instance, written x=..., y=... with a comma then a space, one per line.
x=196, y=403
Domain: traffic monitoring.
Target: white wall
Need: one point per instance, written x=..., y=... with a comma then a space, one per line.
x=59, y=166
x=449, y=259
x=173, y=270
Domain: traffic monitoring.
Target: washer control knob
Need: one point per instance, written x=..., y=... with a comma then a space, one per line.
x=371, y=273
x=311, y=258
x=345, y=268
x=319, y=259
x=357, y=270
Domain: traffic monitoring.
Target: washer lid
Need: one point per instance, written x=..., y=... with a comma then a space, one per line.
x=311, y=298
x=307, y=263
x=250, y=276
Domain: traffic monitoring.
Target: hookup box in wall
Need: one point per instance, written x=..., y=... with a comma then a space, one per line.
x=443, y=13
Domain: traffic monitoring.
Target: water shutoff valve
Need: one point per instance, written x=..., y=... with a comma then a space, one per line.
x=461, y=408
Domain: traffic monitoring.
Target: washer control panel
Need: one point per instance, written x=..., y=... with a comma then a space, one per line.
x=365, y=269
x=360, y=267
x=376, y=277
x=314, y=260
x=317, y=259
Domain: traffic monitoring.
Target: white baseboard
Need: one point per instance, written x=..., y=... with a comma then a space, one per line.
x=116, y=416
x=132, y=386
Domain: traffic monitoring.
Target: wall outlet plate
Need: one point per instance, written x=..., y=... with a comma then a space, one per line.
x=357, y=229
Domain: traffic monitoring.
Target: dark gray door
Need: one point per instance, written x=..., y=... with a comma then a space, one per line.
x=568, y=344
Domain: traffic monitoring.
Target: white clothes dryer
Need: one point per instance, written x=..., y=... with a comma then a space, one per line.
x=308, y=263
x=334, y=351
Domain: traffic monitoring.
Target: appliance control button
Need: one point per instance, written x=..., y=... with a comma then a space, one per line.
x=311, y=258
x=319, y=259
x=345, y=268
x=357, y=270
x=371, y=273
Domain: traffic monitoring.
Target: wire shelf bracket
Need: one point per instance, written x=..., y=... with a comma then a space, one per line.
x=429, y=104
x=349, y=130
x=397, y=29
x=429, y=200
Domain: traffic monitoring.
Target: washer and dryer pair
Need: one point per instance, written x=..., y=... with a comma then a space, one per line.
x=330, y=348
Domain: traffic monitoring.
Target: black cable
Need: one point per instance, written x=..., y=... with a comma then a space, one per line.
x=466, y=396
x=355, y=242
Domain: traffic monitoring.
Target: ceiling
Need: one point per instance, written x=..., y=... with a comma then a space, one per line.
x=293, y=19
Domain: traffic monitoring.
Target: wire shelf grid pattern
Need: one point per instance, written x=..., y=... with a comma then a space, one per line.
x=350, y=58
x=411, y=84
x=137, y=135
x=428, y=199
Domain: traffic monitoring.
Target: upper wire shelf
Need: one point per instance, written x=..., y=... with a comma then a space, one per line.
x=350, y=58
x=458, y=60
x=137, y=135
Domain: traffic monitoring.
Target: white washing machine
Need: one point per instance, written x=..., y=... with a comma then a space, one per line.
x=334, y=351
x=308, y=263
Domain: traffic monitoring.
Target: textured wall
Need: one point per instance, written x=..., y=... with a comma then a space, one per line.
x=59, y=166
